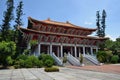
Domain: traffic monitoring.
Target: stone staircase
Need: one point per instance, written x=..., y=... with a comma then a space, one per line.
x=65, y=64
x=87, y=62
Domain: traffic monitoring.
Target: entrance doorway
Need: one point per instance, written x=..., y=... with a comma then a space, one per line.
x=66, y=49
x=44, y=49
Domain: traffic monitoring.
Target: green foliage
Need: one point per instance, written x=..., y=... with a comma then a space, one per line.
x=28, y=63
x=23, y=57
x=6, y=49
x=33, y=42
x=19, y=13
x=101, y=28
x=24, y=61
x=65, y=58
x=26, y=52
x=109, y=44
x=20, y=61
x=45, y=57
x=111, y=48
x=81, y=58
x=18, y=22
x=48, y=63
x=8, y=17
x=101, y=56
x=39, y=64
x=33, y=61
x=104, y=56
x=51, y=69
x=108, y=56
x=114, y=58
x=9, y=60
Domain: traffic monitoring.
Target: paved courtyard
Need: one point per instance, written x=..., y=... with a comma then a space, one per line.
x=64, y=74
x=109, y=68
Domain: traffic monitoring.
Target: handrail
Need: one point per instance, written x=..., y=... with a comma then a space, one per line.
x=57, y=60
x=92, y=59
x=73, y=60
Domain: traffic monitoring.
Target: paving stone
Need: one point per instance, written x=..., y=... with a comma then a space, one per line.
x=64, y=74
x=39, y=73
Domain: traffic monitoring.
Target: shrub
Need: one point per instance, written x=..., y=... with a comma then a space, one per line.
x=51, y=69
x=23, y=57
x=21, y=63
x=48, y=63
x=114, y=58
x=65, y=58
x=33, y=61
x=81, y=58
x=6, y=49
x=101, y=56
x=44, y=57
x=16, y=66
x=28, y=63
x=9, y=60
x=26, y=51
x=108, y=56
x=39, y=64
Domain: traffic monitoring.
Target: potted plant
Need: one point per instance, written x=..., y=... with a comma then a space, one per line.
x=81, y=59
x=65, y=58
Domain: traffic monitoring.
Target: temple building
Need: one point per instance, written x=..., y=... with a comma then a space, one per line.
x=60, y=37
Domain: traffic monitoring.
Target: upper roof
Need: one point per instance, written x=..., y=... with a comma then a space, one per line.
x=62, y=24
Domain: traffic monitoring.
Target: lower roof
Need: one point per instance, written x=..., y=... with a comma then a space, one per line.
x=60, y=34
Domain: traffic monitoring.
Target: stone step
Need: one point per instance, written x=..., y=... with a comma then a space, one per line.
x=87, y=62
x=67, y=64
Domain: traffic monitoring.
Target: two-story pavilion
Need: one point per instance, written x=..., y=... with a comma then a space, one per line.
x=60, y=38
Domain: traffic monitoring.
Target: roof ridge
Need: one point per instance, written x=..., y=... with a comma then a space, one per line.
x=56, y=21
x=67, y=23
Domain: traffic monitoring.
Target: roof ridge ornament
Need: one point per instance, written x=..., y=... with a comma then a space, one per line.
x=49, y=19
x=67, y=22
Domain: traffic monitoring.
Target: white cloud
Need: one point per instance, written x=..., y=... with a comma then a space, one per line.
x=111, y=37
x=88, y=23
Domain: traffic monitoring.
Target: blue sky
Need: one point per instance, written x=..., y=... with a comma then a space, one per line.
x=78, y=12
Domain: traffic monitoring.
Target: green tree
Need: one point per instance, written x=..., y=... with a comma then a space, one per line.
x=7, y=50
x=101, y=56
x=118, y=39
x=98, y=23
x=103, y=23
x=101, y=28
x=18, y=21
x=19, y=14
x=108, y=44
x=8, y=17
x=116, y=47
x=108, y=56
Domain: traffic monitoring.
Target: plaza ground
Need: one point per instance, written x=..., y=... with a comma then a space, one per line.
x=107, y=72
x=108, y=68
